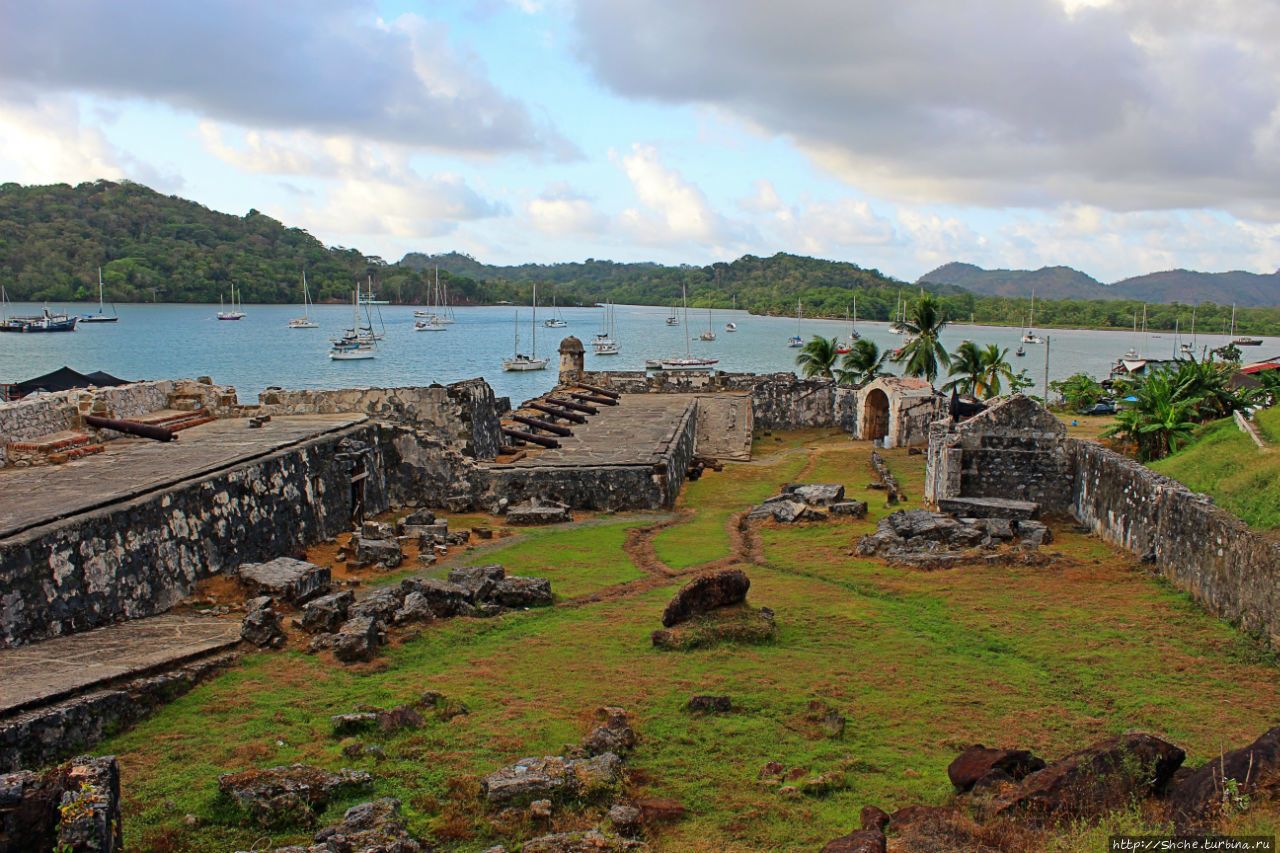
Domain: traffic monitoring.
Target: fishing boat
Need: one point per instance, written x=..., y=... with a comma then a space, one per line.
x=356, y=344
x=305, y=321
x=604, y=343
x=45, y=322
x=101, y=316
x=519, y=362
x=233, y=314
x=795, y=341
x=688, y=361
x=1029, y=335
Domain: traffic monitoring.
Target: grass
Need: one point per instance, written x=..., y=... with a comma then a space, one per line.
x=921, y=663
x=1226, y=464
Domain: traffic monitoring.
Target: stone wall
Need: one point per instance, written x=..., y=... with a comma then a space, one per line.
x=463, y=415
x=140, y=557
x=607, y=488
x=32, y=820
x=725, y=426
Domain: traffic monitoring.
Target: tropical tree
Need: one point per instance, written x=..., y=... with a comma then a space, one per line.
x=817, y=357
x=1078, y=390
x=923, y=352
x=862, y=363
x=1159, y=420
x=967, y=367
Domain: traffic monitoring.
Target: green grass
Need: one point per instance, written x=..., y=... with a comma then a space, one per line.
x=921, y=663
x=1225, y=463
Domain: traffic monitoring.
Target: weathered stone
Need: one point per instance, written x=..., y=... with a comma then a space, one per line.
x=384, y=552
x=326, y=613
x=854, y=509
x=419, y=517
x=706, y=592
x=524, y=515
x=858, y=841
x=373, y=827
x=381, y=605
x=444, y=598
x=710, y=704
x=660, y=809
x=358, y=639
x=522, y=592
x=1109, y=774
x=399, y=717
x=872, y=817
x=1035, y=533
x=1207, y=793
x=442, y=706
x=591, y=841
x=90, y=807
x=625, y=819
x=786, y=512
x=280, y=796
x=820, y=494
x=614, y=735
x=414, y=609
x=376, y=530
x=811, y=514
x=353, y=723
x=284, y=578
x=738, y=624
x=478, y=580
x=261, y=627
x=990, y=507
x=553, y=776
x=977, y=761
x=824, y=783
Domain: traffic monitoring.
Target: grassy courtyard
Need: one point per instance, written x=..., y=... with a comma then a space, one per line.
x=922, y=664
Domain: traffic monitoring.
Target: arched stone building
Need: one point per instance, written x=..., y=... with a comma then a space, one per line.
x=897, y=410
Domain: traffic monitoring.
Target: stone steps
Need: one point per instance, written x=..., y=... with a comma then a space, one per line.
x=52, y=449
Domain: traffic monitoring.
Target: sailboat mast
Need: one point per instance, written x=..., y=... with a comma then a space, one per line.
x=534, y=324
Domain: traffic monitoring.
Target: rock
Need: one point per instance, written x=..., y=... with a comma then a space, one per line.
x=375, y=752
x=358, y=639
x=354, y=723
x=723, y=625
x=811, y=514
x=327, y=612
x=261, y=626
x=1034, y=533
x=553, y=776
x=373, y=827
x=414, y=608
x=381, y=605
x=377, y=530
x=445, y=599
x=858, y=841
x=444, y=708
x=759, y=513
x=989, y=507
x=772, y=770
x=1202, y=796
x=89, y=809
x=872, y=817
x=522, y=592
x=540, y=809
x=478, y=580
x=706, y=592
x=591, y=841
x=785, y=512
x=384, y=552
x=527, y=514
x=935, y=828
x=977, y=761
x=710, y=704
x=625, y=819
x=853, y=509
x=820, y=494
x=615, y=735
x=419, y=517
x=1110, y=774
x=400, y=717
x=824, y=783
x=293, y=581
x=280, y=796
x=659, y=809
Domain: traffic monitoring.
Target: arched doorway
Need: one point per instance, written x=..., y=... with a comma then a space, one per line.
x=875, y=415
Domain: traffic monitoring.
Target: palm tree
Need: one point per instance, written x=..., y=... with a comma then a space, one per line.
x=968, y=368
x=995, y=370
x=862, y=363
x=924, y=352
x=817, y=357
x=1161, y=418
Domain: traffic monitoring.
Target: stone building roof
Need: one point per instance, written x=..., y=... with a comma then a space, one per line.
x=571, y=345
x=1016, y=412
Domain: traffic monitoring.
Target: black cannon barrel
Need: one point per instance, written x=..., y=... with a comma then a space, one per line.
x=157, y=433
x=592, y=398
x=572, y=417
x=532, y=438
x=554, y=429
x=604, y=392
x=577, y=407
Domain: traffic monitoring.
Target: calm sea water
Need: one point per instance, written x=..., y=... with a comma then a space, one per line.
x=153, y=341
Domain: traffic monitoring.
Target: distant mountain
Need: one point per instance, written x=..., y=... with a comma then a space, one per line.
x=1187, y=287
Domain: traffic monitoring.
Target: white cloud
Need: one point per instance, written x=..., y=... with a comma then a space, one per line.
x=676, y=209
x=561, y=212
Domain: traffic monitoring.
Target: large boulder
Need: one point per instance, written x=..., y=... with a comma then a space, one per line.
x=326, y=613
x=978, y=761
x=381, y=605
x=820, y=494
x=1110, y=774
x=383, y=552
x=522, y=592
x=706, y=592
x=282, y=796
x=1205, y=793
x=284, y=578
x=554, y=777
x=358, y=639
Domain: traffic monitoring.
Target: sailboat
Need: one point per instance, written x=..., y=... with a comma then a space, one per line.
x=672, y=319
x=846, y=345
x=687, y=361
x=1243, y=340
x=1029, y=336
x=732, y=327
x=305, y=321
x=233, y=314
x=101, y=316
x=556, y=320
x=356, y=344
x=520, y=362
x=896, y=325
x=708, y=335
x=795, y=340
x=604, y=342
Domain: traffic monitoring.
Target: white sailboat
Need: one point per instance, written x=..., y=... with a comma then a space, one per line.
x=795, y=340
x=233, y=314
x=101, y=316
x=688, y=361
x=556, y=320
x=732, y=327
x=846, y=345
x=305, y=321
x=1030, y=336
x=520, y=362
x=604, y=342
x=899, y=317
x=356, y=344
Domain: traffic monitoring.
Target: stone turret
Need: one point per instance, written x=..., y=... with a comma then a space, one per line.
x=571, y=360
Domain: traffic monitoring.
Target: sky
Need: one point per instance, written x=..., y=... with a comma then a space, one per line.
x=1118, y=137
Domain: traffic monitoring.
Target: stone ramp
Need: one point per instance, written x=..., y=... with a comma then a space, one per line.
x=63, y=667
x=638, y=431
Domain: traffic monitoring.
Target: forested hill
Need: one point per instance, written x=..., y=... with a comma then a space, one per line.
x=153, y=247
x=1183, y=286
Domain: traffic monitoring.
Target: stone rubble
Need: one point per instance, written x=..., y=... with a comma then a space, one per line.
x=284, y=796
x=373, y=827
x=927, y=539
x=291, y=581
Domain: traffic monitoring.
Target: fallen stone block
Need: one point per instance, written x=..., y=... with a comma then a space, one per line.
x=478, y=580
x=419, y=517
x=358, y=639
x=286, y=579
x=853, y=509
x=785, y=512
x=554, y=776
x=989, y=508
x=281, y=796
x=526, y=515
x=381, y=605
x=415, y=608
x=522, y=592
x=383, y=552
x=444, y=598
x=326, y=613
x=706, y=592
x=614, y=735
x=377, y=530
x=820, y=494
x=261, y=626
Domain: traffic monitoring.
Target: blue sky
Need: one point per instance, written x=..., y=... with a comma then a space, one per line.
x=1115, y=136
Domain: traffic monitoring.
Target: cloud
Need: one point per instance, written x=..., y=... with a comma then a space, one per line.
x=1126, y=105
x=560, y=211
x=676, y=210
x=328, y=67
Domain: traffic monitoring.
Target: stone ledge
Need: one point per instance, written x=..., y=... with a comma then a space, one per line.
x=989, y=508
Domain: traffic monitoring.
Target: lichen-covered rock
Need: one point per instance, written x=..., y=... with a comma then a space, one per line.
x=706, y=592
x=537, y=512
x=613, y=735
x=522, y=592
x=591, y=841
x=444, y=598
x=820, y=494
x=373, y=827
x=415, y=608
x=625, y=819
x=326, y=613
x=358, y=639
x=285, y=578
x=852, y=509
x=89, y=810
x=554, y=776
x=381, y=605
x=261, y=626
x=282, y=796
